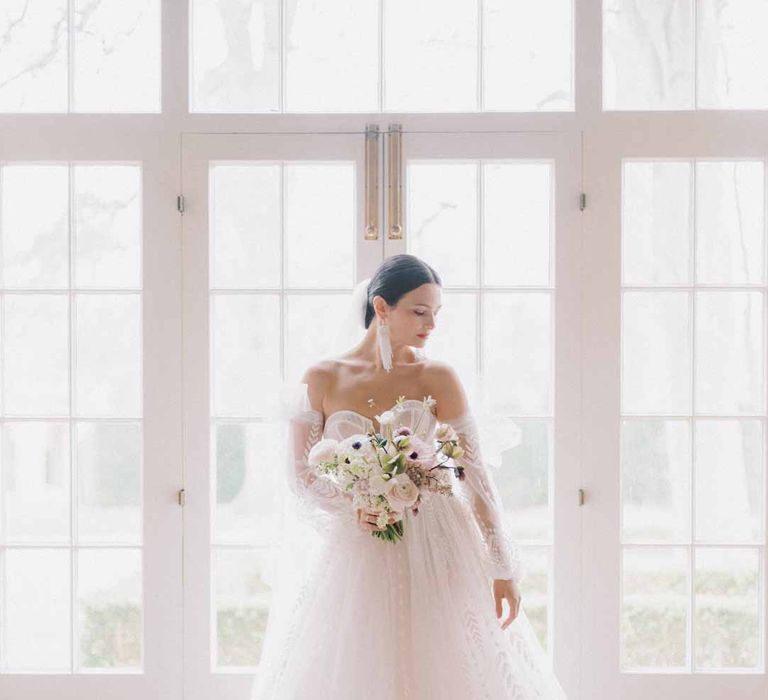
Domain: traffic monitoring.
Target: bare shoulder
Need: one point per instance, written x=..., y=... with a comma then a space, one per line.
x=319, y=378
x=447, y=389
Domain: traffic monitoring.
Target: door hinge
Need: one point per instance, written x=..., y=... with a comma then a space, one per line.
x=180, y=203
x=583, y=201
x=581, y=497
x=181, y=497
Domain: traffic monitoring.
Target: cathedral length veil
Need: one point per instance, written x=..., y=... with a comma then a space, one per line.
x=301, y=528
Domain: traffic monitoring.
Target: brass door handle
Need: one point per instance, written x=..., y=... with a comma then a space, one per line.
x=371, y=182
x=395, y=182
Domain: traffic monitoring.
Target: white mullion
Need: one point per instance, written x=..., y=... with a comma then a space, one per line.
x=282, y=61
x=73, y=477
x=380, y=73
x=480, y=61
x=283, y=299
x=480, y=245
x=694, y=427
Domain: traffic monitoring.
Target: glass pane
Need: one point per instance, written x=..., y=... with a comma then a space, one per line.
x=648, y=55
x=36, y=482
x=656, y=481
x=320, y=224
x=442, y=218
x=241, y=599
x=538, y=592
x=245, y=356
x=656, y=225
x=450, y=345
x=730, y=472
x=110, y=608
x=325, y=40
x=116, y=56
x=517, y=346
x=310, y=322
x=248, y=459
x=730, y=356
x=108, y=346
x=654, y=608
x=523, y=449
x=730, y=54
x=656, y=352
x=33, y=55
x=36, y=355
x=730, y=222
x=35, y=238
x=37, y=610
x=430, y=56
x=528, y=56
x=234, y=55
x=245, y=225
x=518, y=226
x=727, y=608
x=108, y=225
x=109, y=471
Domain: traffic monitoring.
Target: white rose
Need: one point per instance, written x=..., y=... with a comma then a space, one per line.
x=322, y=451
x=386, y=418
x=401, y=492
x=378, y=485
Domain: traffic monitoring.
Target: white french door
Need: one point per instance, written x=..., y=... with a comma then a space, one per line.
x=675, y=413
x=277, y=230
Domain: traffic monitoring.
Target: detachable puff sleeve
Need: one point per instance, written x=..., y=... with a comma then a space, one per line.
x=319, y=500
x=502, y=557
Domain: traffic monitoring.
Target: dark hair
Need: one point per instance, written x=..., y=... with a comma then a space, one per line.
x=395, y=277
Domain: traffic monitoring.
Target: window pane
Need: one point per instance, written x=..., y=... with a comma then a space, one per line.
x=657, y=222
x=518, y=223
x=33, y=56
x=528, y=56
x=655, y=481
x=245, y=225
x=731, y=54
x=654, y=608
x=729, y=480
x=442, y=218
x=38, y=622
x=320, y=224
x=727, y=608
x=325, y=40
x=730, y=356
x=656, y=352
x=730, y=222
x=648, y=54
x=430, y=56
x=234, y=55
x=116, y=56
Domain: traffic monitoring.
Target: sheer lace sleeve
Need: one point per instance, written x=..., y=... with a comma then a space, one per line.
x=501, y=555
x=318, y=499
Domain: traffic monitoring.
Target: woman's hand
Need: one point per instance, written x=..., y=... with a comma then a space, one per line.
x=507, y=589
x=366, y=519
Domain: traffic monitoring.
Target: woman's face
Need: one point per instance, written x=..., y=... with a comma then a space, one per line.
x=413, y=318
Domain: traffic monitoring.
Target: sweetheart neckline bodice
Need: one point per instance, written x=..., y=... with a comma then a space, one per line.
x=366, y=418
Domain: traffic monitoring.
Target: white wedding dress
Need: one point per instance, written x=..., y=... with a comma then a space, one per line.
x=360, y=618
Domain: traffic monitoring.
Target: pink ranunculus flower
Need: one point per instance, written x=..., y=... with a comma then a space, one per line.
x=322, y=451
x=401, y=492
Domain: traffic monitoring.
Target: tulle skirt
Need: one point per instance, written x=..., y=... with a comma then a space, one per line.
x=357, y=617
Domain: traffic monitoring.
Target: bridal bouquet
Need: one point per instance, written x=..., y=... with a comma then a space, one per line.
x=388, y=472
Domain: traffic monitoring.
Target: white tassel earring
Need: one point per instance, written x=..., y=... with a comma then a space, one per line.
x=385, y=347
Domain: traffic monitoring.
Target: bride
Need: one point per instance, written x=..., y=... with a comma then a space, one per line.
x=355, y=616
